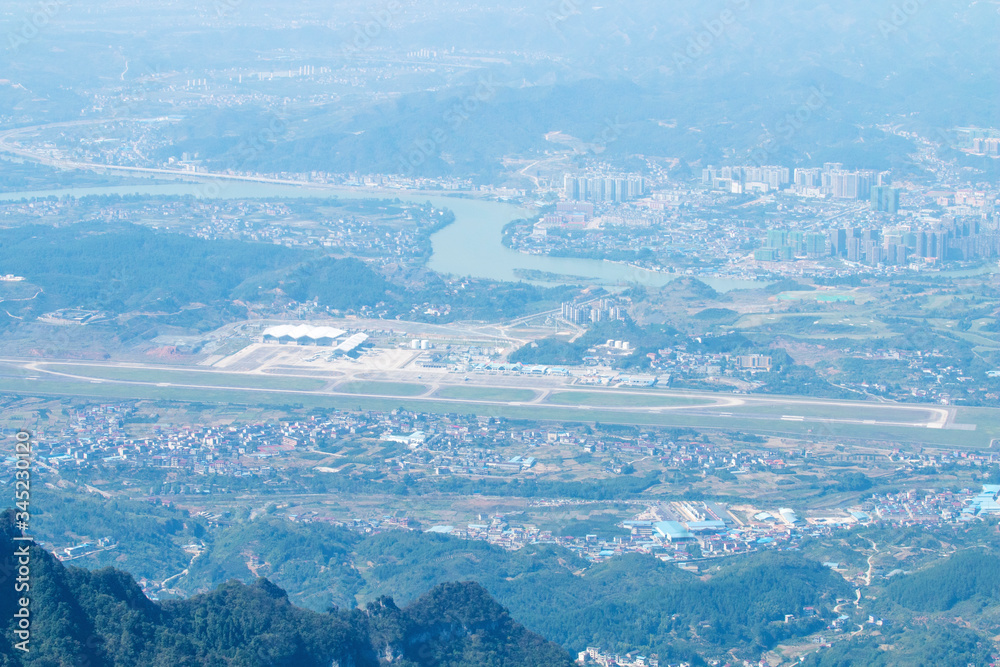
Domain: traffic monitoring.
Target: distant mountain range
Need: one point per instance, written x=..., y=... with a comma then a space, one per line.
x=703, y=82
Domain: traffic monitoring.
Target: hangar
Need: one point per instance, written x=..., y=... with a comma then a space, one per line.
x=302, y=334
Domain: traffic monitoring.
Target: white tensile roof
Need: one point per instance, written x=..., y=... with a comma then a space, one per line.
x=303, y=331
x=352, y=342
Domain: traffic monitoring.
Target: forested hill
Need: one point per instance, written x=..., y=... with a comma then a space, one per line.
x=119, y=268
x=101, y=618
x=145, y=279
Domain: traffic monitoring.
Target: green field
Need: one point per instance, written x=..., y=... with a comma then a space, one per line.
x=819, y=411
x=381, y=388
x=613, y=399
x=987, y=420
x=190, y=377
x=13, y=371
x=486, y=394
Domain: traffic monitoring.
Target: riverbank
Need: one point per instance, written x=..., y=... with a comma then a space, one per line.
x=469, y=247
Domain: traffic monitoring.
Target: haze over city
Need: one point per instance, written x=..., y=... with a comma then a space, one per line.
x=507, y=334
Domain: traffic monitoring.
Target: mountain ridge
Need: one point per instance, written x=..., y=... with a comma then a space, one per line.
x=101, y=618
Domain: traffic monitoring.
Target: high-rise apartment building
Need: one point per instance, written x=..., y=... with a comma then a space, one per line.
x=603, y=188
x=885, y=198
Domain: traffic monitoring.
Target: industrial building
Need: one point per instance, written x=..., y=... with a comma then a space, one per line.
x=707, y=526
x=789, y=516
x=985, y=504
x=673, y=531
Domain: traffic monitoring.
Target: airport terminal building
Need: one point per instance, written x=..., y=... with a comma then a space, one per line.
x=302, y=334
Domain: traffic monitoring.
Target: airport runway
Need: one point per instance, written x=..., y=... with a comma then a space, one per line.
x=545, y=395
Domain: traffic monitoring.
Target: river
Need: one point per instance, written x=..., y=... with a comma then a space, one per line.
x=470, y=247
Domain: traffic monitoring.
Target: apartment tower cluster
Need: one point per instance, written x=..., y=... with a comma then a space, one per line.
x=830, y=180
x=603, y=310
x=603, y=188
x=963, y=239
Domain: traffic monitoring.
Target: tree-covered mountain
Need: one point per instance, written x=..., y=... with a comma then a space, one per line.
x=120, y=268
x=148, y=279
x=628, y=603
x=973, y=574
x=735, y=606
x=907, y=646
x=313, y=562
x=101, y=618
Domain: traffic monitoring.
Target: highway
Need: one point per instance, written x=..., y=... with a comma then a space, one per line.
x=7, y=145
